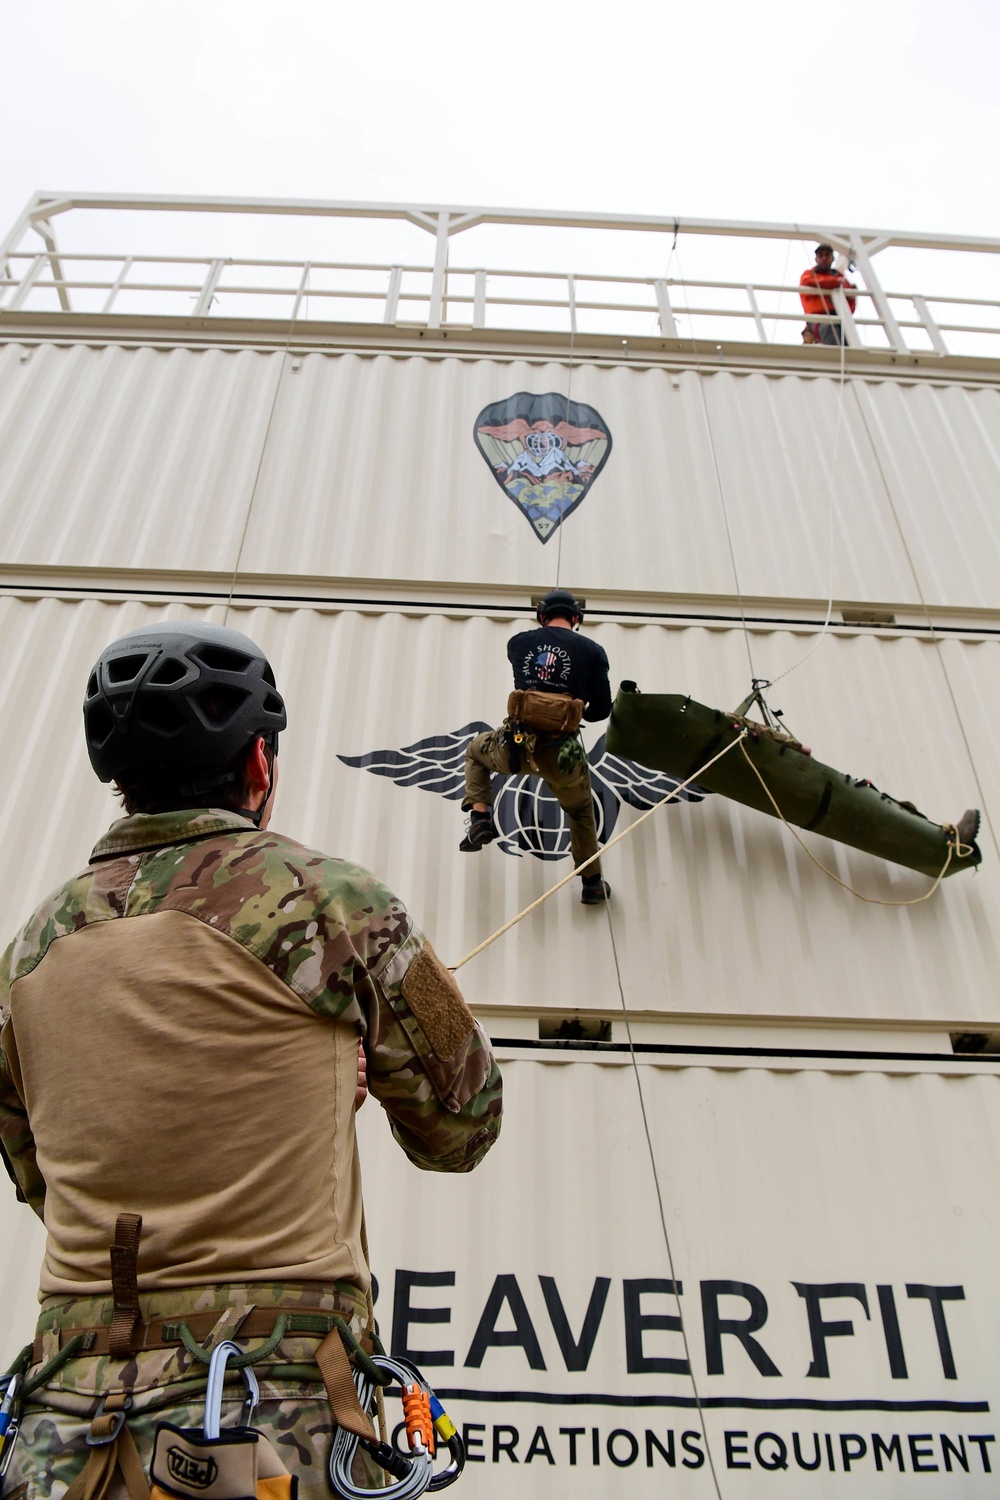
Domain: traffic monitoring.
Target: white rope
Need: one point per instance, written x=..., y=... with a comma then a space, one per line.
x=260, y=464
x=718, y=482
x=659, y=1200
x=831, y=513
x=569, y=394
x=781, y=294
x=956, y=848
x=935, y=637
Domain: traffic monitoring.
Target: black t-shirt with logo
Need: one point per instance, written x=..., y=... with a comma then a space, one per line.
x=555, y=660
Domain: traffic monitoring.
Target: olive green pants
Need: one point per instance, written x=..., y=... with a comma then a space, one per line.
x=487, y=753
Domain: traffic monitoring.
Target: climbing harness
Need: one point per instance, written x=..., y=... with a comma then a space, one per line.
x=535, y=718
x=427, y=1424
x=216, y=1463
x=545, y=713
x=518, y=741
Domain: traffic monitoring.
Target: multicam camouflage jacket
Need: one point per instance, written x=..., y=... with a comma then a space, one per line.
x=180, y=1035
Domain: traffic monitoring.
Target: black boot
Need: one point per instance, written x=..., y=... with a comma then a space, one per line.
x=968, y=826
x=479, y=833
x=595, y=890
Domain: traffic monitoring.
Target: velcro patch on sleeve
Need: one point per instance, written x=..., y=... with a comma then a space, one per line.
x=436, y=1000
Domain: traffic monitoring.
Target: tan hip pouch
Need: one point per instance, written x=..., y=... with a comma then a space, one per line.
x=545, y=713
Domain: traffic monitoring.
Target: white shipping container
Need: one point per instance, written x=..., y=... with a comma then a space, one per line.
x=343, y=466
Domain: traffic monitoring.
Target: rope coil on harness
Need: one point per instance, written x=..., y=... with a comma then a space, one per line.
x=427, y=1424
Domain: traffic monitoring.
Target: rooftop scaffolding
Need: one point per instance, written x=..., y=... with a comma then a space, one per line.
x=653, y=297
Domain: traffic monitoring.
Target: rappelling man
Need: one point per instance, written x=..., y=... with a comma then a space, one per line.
x=181, y=1024
x=560, y=677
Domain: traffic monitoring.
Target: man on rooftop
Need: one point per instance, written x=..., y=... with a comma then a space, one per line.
x=823, y=275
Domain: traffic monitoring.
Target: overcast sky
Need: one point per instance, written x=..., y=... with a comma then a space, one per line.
x=882, y=114
x=878, y=115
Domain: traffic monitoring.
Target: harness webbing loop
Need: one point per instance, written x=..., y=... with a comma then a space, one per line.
x=125, y=1284
x=112, y=1447
x=341, y=1392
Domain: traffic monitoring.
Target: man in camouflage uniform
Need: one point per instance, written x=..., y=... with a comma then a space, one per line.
x=180, y=1040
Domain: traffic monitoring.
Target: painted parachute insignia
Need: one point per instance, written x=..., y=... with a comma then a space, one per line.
x=528, y=816
x=678, y=736
x=544, y=452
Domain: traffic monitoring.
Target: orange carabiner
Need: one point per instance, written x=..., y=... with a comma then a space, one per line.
x=417, y=1411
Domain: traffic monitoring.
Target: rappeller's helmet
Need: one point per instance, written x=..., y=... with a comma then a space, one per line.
x=559, y=602
x=180, y=695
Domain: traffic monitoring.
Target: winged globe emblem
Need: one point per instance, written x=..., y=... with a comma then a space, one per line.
x=527, y=815
x=544, y=452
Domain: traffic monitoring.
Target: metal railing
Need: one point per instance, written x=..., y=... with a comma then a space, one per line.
x=440, y=296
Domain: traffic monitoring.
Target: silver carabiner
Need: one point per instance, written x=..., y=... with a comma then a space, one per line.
x=221, y=1355
x=415, y=1469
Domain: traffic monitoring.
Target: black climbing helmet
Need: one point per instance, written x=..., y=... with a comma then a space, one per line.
x=559, y=602
x=181, y=694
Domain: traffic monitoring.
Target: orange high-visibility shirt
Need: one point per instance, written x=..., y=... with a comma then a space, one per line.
x=827, y=280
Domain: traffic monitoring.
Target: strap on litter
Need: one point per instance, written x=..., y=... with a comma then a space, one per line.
x=125, y=1284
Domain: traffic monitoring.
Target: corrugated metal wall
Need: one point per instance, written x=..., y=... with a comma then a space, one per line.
x=719, y=911
x=771, y=1180
x=390, y=570
x=363, y=467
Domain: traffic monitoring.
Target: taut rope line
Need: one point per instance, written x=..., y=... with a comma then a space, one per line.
x=659, y=1200
x=260, y=461
x=718, y=474
x=831, y=516
x=569, y=395
x=674, y=792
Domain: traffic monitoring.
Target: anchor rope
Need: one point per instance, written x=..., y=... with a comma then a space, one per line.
x=781, y=294
x=659, y=1196
x=831, y=517
x=934, y=635
x=569, y=395
x=260, y=461
x=718, y=473
x=831, y=508
x=614, y=949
